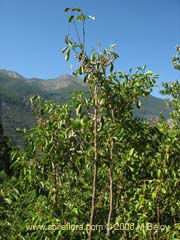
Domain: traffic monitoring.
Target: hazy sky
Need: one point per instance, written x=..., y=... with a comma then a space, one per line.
x=145, y=31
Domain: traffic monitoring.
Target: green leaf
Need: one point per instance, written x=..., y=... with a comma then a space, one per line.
x=76, y=9
x=78, y=109
x=156, y=76
x=159, y=173
x=71, y=18
x=173, y=210
x=75, y=210
x=144, y=67
x=93, y=57
x=91, y=17
x=67, y=55
x=8, y=200
x=64, y=49
x=148, y=90
x=154, y=194
x=81, y=17
x=115, y=55
x=131, y=152
x=42, y=184
x=148, y=73
x=111, y=68
x=138, y=104
x=66, y=9
x=131, y=168
x=113, y=45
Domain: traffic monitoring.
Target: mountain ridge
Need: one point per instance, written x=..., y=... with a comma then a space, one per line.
x=11, y=73
x=15, y=91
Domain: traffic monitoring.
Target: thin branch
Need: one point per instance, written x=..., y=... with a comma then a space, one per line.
x=77, y=33
x=95, y=164
x=158, y=208
x=84, y=35
x=110, y=188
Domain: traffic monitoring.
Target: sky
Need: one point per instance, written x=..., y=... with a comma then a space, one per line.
x=145, y=31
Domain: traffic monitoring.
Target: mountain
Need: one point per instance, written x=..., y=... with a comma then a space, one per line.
x=15, y=91
x=12, y=74
x=152, y=107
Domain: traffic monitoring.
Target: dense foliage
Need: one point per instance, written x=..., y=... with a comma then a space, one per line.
x=90, y=169
x=4, y=153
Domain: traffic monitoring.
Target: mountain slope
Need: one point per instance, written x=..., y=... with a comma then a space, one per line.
x=152, y=107
x=15, y=91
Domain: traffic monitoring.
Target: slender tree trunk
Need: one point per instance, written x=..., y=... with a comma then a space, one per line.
x=95, y=164
x=110, y=188
x=158, y=209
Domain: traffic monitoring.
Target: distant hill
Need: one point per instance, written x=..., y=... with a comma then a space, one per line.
x=152, y=107
x=15, y=91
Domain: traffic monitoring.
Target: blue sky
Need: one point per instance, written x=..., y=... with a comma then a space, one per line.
x=32, y=34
